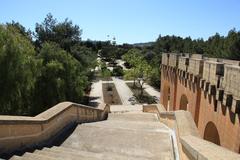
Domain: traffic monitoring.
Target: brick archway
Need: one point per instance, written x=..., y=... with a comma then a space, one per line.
x=184, y=102
x=211, y=133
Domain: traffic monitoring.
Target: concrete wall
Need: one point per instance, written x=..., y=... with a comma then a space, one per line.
x=211, y=86
x=18, y=132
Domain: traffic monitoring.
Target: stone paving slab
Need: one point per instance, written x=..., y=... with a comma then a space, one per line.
x=133, y=134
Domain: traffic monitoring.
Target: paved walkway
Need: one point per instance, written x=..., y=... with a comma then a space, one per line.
x=96, y=94
x=121, y=63
x=152, y=91
x=123, y=90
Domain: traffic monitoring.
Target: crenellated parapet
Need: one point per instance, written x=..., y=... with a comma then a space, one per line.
x=230, y=84
x=216, y=77
x=165, y=59
x=212, y=72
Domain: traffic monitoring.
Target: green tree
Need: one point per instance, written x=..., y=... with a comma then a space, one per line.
x=134, y=58
x=64, y=33
x=61, y=78
x=21, y=29
x=17, y=71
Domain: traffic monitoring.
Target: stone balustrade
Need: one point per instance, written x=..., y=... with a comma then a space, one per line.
x=20, y=132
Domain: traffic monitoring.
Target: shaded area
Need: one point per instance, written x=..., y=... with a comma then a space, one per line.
x=183, y=102
x=92, y=102
x=166, y=96
x=211, y=133
x=56, y=140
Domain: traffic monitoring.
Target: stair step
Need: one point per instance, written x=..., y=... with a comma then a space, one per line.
x=15, y=158
x=142, y=117
x=130, y=125
x=74, y=151
x=35, y=156
x=126, y=141
x=102, y=155
x=62, y=154
x=128, y=136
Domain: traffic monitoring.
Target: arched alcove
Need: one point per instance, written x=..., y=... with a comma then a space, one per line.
x=211, y=133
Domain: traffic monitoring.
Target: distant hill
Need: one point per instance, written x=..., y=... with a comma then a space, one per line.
x=146, y=44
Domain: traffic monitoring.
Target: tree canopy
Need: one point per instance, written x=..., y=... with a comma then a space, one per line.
x=41, y=71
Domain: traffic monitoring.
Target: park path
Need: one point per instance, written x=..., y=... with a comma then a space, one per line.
x=152, y=91
x=123, y=90
x=96, y=94
x=121, y=63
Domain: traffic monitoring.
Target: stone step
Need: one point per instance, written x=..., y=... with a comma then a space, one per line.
x=16, y=158
x=142, y=117
x=102, y=155
x=130, y=125
x=62, y=154
x=124, y=141
x=35, y=156
x=124, y=136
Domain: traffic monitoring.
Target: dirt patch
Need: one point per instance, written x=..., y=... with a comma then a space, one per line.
x=110, y=94
x=145, y=98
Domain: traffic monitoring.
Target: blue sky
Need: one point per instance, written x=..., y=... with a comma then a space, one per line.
x=130, y=21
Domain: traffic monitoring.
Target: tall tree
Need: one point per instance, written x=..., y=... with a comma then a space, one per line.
x=64, y=33
x=61, y=78
x=17, y=71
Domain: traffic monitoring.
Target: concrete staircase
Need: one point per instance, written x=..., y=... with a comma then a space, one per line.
x=130, y=135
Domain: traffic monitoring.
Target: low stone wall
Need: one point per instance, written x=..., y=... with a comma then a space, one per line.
x=197, y=149
x=19, y=132
x=190, y=145
x=153, y=108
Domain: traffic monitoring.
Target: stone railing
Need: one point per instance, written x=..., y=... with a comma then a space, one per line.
x=190, y=145
x=19, y=132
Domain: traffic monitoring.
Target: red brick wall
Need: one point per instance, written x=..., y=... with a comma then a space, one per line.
x=201, y=106
x=226, y=124
x=191, y=90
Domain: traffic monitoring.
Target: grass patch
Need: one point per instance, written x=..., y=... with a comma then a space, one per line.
x=110, y=94
x=145, y=98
